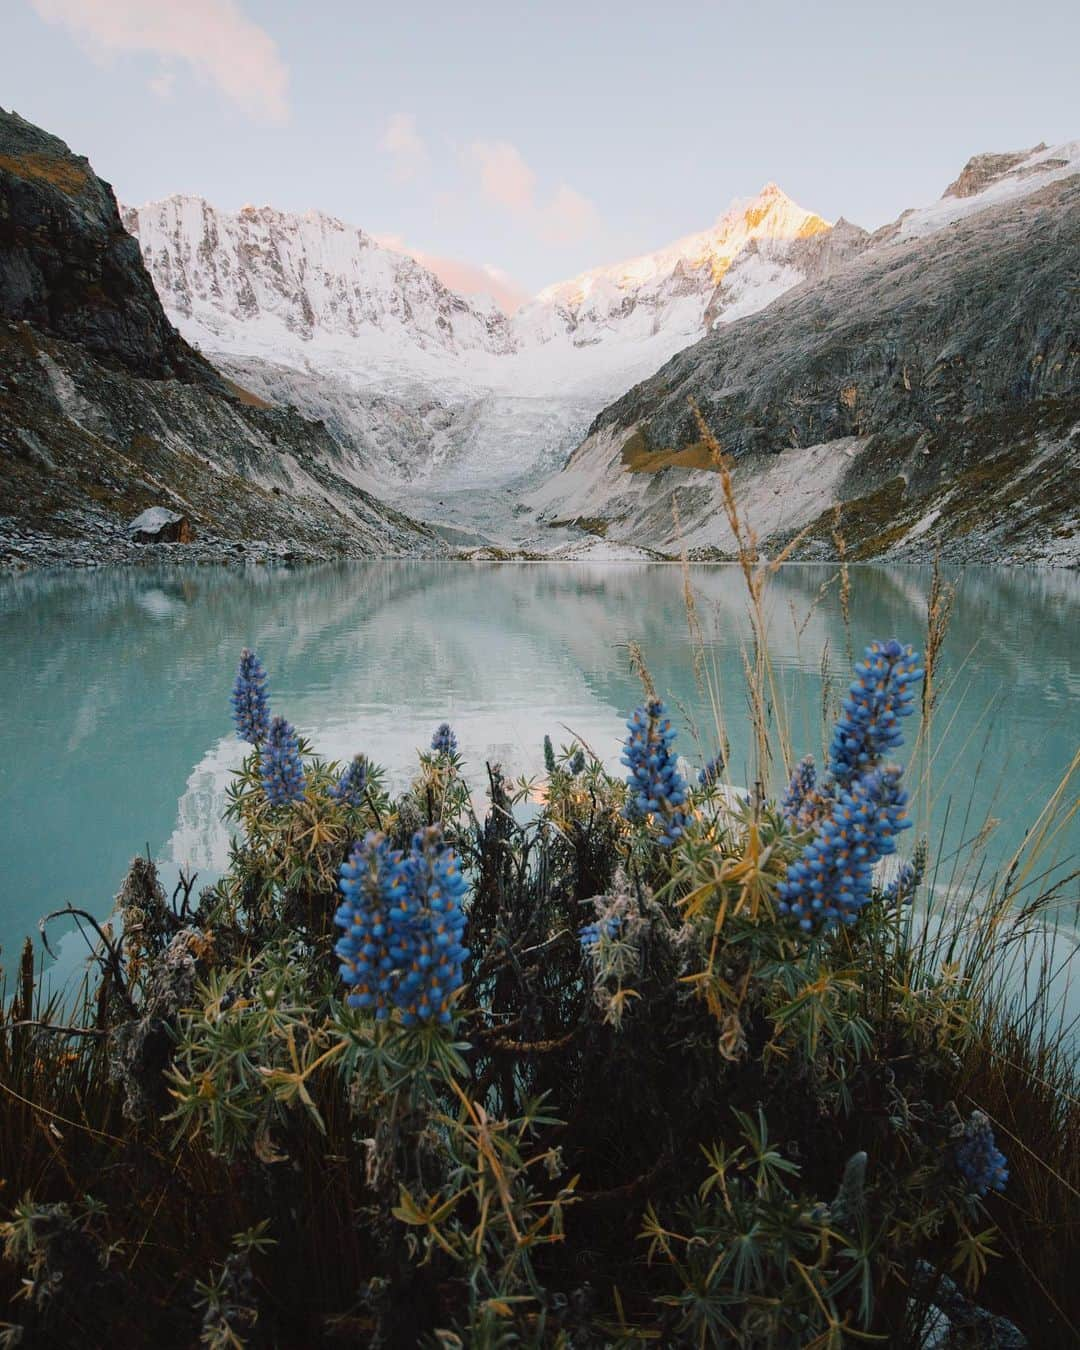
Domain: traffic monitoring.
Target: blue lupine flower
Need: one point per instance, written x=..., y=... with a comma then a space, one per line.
x=880, y=695
x=710, y=774
x=373, y=883
x=831, y=879
x=902, y=886
x=589, y=935
x=801, y=800
x=858, y=810
x=352, y=784
x=656, y=787
x=577, y=761
x=251, y=708
x=444, y=742
x=431, y=948
x=282, y=770
x=403, y=925
x=981, y=1162
x=549, y=755
x=909, y=878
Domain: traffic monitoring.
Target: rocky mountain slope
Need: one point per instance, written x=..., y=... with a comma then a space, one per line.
x=105, y=409
x=424, y=387
x=929, y=384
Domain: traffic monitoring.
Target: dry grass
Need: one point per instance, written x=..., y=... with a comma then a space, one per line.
x=59, y=173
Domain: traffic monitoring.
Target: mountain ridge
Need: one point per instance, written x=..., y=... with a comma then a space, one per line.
x=105, y=409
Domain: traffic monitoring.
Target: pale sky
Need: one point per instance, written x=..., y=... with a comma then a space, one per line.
x=527, y=142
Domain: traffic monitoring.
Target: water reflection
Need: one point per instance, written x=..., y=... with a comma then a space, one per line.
x=114, y=688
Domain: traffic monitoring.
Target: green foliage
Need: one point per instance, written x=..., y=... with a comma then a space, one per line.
x=707, y=1127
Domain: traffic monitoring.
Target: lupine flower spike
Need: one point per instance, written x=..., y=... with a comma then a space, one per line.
x=577, y=761
x=709, y=776
x=373, y=883
x=589, y=934
x=403, y=925
x=800, y=801
x=251, y=708
x=861, y=807
x=656, y=786
x=981, y=1162
x=282, y=770
x=444, y=742
x=879, y=696
x=352, y=784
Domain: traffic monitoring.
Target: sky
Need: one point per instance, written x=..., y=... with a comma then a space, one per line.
x=511, y=145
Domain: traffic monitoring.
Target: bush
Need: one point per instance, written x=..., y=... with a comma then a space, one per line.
x=654, y=1063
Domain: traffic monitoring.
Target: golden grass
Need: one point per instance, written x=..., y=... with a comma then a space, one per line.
x=59, y=173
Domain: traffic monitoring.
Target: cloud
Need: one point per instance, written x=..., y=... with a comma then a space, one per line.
x=212, y=36
x=569, y=217
x=508, y=181
x=464, y=277
x=406, y=146
x=504, y=176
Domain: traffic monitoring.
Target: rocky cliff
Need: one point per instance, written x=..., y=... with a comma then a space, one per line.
x=929, y=385
x=106, y=410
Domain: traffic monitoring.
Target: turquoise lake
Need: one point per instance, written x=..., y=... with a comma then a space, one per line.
x=114, y=687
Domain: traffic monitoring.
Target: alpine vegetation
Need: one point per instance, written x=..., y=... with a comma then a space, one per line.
x=978, y=1157
x=592, y=1061
x=861, y=807
x=352, y=783
x=444, y=742
x=657, y=790
x=282, y=769
x=251, y=706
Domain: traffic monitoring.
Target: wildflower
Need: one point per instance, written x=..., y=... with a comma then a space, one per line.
x=831, y=878
x=549, y=755
x=577, y=761
x=403, y=925
x=352, y=784
x=444, y=742
x=282, y=771
x=251, y=708
x=800, y=800
x=909, y=877
x=373, y=883
x=656, y=786
x=589, y=935
x=709, y=776
x=981, y=1162
x=430, y=948
x=879, y=696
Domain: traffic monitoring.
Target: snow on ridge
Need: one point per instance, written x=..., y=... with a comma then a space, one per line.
x=1041, y=167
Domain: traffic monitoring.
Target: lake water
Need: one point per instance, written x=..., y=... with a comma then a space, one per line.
x=114, y=689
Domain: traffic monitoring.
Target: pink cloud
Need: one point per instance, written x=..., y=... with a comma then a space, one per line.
x=508, y=181
x=464, y=277
x=569, y=217
x=504, y=176
x=405, y=145
x=212, y=36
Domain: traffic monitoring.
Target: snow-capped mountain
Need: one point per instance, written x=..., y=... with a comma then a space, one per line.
x=422, y=383
x=433, y=394
x=263, y=282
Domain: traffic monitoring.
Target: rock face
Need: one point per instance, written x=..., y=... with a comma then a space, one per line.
x=67, y=265
x=105, y=410
x=931, y=384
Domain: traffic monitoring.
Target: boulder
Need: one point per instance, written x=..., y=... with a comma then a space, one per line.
x=159, y=525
